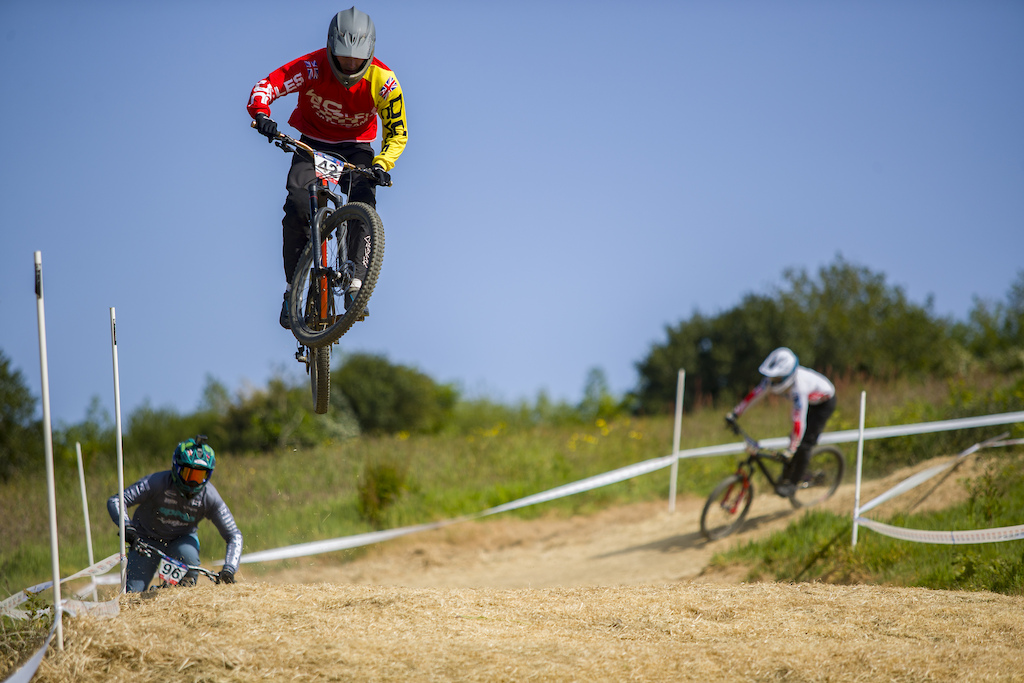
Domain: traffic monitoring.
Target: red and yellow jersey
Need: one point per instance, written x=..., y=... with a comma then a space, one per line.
x=330, y=112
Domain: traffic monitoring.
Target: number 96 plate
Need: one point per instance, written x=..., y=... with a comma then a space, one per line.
x=172, y=571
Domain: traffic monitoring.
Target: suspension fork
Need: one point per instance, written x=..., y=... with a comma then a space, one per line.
x=319, y=255
x=737, y=493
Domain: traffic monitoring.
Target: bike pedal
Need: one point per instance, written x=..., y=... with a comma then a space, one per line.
x=300, y=358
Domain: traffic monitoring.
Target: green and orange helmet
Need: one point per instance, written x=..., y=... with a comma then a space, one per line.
x=192, y=466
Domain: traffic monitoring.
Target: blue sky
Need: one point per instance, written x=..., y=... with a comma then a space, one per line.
x=578, y=176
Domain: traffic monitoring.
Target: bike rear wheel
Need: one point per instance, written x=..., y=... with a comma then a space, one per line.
x=726, y=507
x=824, y=474
x=317, y=301
x=320, y=378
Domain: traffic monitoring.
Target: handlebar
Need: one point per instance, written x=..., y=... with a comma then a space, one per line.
x=734, y=426
x=753, y=447
x=147, y=549
x=286, y=143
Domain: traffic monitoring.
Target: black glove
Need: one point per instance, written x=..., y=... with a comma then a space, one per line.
x=227, y=576
x=381, y=176
x=130, y=534
x=266, y=126
x=730, y=420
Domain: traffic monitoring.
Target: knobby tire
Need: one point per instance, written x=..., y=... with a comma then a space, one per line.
x=726, y=508
x=824, y=473
x=310, y=327
x=320, y=378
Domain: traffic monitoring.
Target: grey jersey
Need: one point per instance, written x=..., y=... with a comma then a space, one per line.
x=165, y=514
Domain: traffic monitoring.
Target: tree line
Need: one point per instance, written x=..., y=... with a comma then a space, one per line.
x=842, y=320
x=845, y=320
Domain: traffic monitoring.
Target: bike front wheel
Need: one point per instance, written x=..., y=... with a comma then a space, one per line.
x=824, y=474
x=727, y=507
x=320, y=378
x=317, y=307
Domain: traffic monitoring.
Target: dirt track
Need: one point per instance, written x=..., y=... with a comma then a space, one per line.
x=616, y=596
x=630, y=545
x=637, y=544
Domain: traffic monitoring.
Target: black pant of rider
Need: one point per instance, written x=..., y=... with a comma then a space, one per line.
x=817, y=416
x=295, y=224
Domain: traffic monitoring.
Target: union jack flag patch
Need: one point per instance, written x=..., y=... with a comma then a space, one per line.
x=388, y=86
x=312, y=69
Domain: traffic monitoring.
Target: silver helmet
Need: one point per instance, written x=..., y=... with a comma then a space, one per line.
x=351, y=35
x=780, y=368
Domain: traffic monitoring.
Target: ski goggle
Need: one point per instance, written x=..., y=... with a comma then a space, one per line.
x=193, y=475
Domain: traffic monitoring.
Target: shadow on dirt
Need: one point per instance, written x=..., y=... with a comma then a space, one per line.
x=695, y=539
x=755, y=523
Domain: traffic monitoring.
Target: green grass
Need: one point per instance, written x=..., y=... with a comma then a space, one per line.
x=297, y=495
x=818, y=547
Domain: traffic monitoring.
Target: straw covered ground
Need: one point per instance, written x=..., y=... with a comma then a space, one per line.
x=624, y=594
x=687, y=631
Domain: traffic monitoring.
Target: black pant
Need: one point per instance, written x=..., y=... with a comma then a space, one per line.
x=817, y=416
x=295, y=224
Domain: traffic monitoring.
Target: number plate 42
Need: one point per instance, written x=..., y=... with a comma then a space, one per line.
x=328, y=168
x=172, y=571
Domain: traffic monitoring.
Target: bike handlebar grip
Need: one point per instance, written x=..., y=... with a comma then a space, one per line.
x=730, y=421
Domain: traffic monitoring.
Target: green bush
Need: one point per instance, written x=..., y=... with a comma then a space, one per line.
x=380, y=486
x=886, y=455
x=995, y=330
x=21, y=437
x=387, y=398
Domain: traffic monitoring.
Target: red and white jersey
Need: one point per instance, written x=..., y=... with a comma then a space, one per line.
x=330, y=112
x=808, y=388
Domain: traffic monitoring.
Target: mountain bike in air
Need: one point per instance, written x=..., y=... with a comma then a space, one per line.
x=319, y=305
x=728, y=505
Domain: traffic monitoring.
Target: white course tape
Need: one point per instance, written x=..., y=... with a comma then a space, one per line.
x=343, y=543
x=104, y=610
x=920, y=428
x=1006, y=533
x=347, y=542
x=908, y=484
x=1009, y=533
x=923, y=476
x=622, y=474
x=7, y=607
x=27, y=670
x=104, y=580
x=597, y=481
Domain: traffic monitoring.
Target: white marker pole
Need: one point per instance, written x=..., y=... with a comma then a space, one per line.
x=860, y=463
x=51, y=487
x=120, y=451
x=677, y=433
x=85, y=513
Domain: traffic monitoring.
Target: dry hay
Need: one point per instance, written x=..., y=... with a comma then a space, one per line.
x=685, y=631
x=620, y=595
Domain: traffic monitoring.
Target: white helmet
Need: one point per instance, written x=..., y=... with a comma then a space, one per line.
x=780, y=368
x=351, y=34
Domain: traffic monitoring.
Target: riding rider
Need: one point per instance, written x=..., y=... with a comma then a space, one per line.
x=342, y=89
x=814, y=400
x=171, y=505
